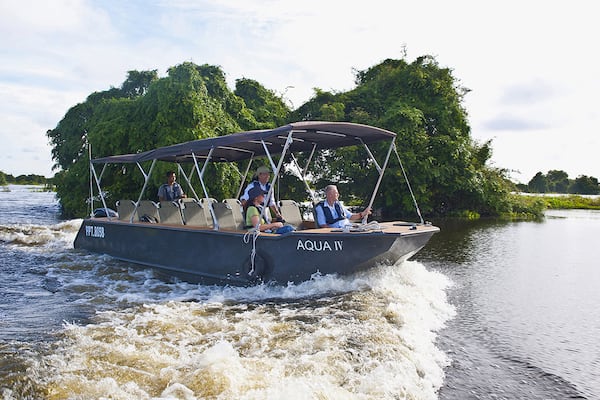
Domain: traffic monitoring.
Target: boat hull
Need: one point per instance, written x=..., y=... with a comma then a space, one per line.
x=239, y=258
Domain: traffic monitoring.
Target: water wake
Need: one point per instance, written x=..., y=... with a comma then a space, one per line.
x=32, y=235
x=367, y=336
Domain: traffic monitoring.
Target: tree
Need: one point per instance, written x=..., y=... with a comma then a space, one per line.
x=538, y=184
x=558, y=181
x=3, y=181
x=191, y=102
x=585, y=185
x=422, y=103
x=268, y=109
x=138, y=82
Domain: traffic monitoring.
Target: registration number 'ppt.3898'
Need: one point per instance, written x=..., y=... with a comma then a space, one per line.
x=94, y=231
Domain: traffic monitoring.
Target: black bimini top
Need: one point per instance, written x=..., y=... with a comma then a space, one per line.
x=306, y=135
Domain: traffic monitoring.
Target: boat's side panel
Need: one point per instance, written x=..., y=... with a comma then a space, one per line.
x=225, y=257
x=207, y=255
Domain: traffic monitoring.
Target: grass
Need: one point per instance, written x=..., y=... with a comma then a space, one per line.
x=572, y=202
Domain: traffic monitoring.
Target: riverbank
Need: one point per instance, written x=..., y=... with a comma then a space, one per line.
x=556, y=201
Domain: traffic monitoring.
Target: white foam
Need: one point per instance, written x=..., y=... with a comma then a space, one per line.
x=370, y=336
x=60, y=235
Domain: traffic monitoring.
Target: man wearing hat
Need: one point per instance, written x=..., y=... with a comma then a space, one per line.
x=261, y=181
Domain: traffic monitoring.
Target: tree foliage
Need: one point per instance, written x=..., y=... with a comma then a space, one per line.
x=30, y=179
x=422, y=103
x=191, y=102
x=557, y=181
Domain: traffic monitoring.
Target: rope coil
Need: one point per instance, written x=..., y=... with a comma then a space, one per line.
x=254, y=233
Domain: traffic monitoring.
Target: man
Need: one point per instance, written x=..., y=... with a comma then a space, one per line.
x=332, y=214
x=171, y=190
x=262, y=181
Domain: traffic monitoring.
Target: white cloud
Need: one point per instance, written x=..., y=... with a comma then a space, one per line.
x=530, y=65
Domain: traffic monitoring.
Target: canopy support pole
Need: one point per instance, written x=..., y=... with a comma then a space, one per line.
x=408, y=184
x=201, y=176
x=146, y=179
x=381, y=171
x=239, y=192
x=276, y=170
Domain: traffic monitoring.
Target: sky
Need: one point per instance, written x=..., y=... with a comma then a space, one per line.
x=531, y=66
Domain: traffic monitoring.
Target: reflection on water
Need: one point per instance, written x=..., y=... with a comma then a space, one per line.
x=526, y=291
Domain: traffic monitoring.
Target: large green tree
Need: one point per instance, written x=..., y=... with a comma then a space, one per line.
x=538, y=184
x=191, y=102
x=422, y=103
x=584, y=184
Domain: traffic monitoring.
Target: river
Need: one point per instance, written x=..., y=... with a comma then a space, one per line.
x=488, y=310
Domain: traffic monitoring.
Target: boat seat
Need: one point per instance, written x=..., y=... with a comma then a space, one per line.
x=170, y=213
x=314, y=213
x=208, y=206
x=147, y=209
x=290, y=211
x=194, y=215
x=224, y=215
x=238, y=214
x=126, y=210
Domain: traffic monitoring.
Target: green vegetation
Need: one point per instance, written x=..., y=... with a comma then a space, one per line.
x=420, y=101
x=558, y=182
x=8, y=179
x=571, y=202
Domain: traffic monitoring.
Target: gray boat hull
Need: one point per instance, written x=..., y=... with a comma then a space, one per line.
x=226, y=257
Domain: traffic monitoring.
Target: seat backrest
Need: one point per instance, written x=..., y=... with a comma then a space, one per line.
x=208, y=206
x=224, y=214
x=290, y=211
x=194, y=215
x=126, y=209
x=148, y=208
x=238, y=214
x=314, y=212
x=170, y=213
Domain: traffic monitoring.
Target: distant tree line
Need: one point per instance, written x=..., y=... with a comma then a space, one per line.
x=556, y=181
x=31, y=179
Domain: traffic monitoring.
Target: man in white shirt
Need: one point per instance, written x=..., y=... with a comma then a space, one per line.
x=332, y=214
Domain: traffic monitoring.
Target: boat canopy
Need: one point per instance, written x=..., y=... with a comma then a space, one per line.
x=306, y=136
x=288, y=139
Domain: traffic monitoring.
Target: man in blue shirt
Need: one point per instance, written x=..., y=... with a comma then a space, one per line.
x=171, y=190
x=332, y=214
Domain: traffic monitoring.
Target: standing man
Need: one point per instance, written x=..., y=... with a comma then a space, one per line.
x=332, y=214
x=262, y=180
x=171, y=190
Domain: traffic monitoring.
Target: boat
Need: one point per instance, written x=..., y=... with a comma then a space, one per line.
x=202, y=240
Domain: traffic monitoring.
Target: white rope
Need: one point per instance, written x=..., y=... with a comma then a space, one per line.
x=370, y=226
x=255, y=233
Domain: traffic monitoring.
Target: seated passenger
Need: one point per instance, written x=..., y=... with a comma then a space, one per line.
x=261, y=180
x=331, y=213
x=171, y=190
x=254, y=216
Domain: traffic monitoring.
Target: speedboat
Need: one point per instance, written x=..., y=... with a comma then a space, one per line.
x=203, y=240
